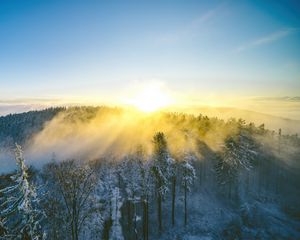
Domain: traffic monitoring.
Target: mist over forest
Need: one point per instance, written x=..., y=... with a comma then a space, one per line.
x=113, y=173
x=149, y=120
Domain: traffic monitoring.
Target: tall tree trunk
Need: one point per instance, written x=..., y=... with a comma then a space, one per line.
x=76, y=233
x=247, y=183
x=185, y=204
x=147, y=219
x=72, y=229
x=106, y=229
x=230, y=191
x=129, y=216
x=144, y=219
x=159, y=212
x=134, y=222
x=173, y=199
x=76, y=227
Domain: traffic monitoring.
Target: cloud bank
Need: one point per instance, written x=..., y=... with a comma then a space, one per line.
x=273, y=37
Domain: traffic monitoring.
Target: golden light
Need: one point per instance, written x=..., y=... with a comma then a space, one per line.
x=150, y=99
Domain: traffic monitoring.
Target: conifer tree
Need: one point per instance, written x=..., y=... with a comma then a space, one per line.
x=18, y=204
x=239, y=152
x=173, y=173
x=129, y=170
x=161, y=170
x=188, y=177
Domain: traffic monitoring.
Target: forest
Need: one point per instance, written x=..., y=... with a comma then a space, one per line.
x=113, y=173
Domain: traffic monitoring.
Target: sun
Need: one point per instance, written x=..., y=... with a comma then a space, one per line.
x=150, y=99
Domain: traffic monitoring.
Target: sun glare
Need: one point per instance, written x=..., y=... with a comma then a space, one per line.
x=150, y=99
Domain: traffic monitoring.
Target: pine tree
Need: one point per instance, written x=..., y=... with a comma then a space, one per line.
x=147, y=189
x=108, y=177
x=130, y=173
x=18, y=204
x=145, y=186
x=116, y=229
x=188, y=177
x=161, y=170
x=239, y=152
x=173, y=173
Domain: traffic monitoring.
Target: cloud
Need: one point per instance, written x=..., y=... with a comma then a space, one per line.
x=192, y=28
x=28, y=100
x=18, y=105
x=285, y=106
x=273, y=37
x=285, y=98
x=203, y=18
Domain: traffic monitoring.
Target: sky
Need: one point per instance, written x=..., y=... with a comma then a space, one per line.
x=201, y=52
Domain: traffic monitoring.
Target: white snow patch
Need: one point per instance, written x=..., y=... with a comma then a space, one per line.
x=116, y=229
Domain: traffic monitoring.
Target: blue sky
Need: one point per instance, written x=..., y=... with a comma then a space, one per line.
x=102, y=49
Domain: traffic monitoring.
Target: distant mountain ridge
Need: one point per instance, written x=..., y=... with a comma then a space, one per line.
x=288, y=126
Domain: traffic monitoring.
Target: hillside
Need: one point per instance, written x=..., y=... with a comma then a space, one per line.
x=163, y=175
x=288, y=126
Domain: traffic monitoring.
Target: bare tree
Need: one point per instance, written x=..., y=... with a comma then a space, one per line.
x=76, y=183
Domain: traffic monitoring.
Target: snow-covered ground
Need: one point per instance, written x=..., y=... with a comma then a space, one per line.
x=116, y=229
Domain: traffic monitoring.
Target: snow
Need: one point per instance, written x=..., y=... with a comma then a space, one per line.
x=19, y=199
x=116, y=229
x=197, y=238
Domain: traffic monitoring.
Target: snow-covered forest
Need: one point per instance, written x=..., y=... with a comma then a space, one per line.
x=162, y=176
